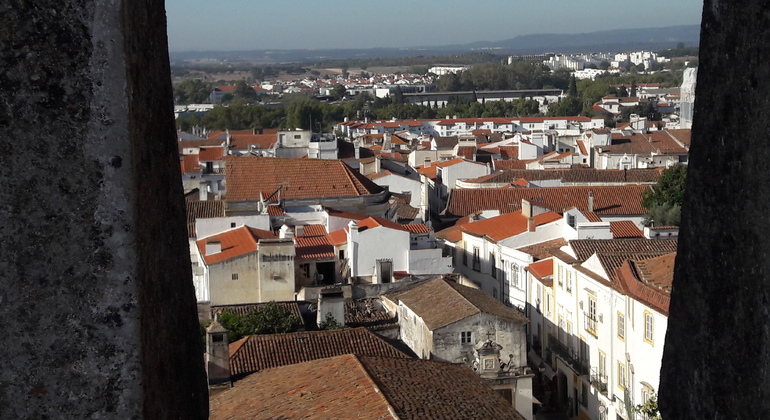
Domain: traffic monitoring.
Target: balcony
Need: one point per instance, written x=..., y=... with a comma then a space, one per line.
x=571, y=358
x=599, y=381
x=590, y=325
x=213, y=171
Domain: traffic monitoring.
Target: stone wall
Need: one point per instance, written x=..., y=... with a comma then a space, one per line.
x=97, y=296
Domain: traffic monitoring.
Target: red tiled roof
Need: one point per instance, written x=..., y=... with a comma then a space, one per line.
x=625, y=229
x=582, y=147
x=503, y=226
x=504, y=165
x=338, y=237
x=575, y=176
x=621, y=200
x=225, y=88
x=542, y=269
x=649, y=280
x=378, y=175
x=466, y=152
x=202, y=210
x=244, y=141
x=639, y=143
x=584, y=248
x=592, y=217
x=189, y=164
x=509, y=152
x=211, y=153
x=248, y=176
x=235, y=242
x=432, y=299
x=314, y=248
x=313, y=230
x=275, y=211
x=265, y=351
x=217, y=134
x=186, y=144
x=543, y=250
x=371, y=387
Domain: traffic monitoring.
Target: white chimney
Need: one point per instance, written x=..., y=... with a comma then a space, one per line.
x=590, y=202
x=285, y=232
x=213, y=246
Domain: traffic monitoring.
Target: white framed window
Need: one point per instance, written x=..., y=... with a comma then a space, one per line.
x=569, y=282
x=649, y=325
x=590, y=316
x=466, y=337
x=621, y=326
x=622, y=375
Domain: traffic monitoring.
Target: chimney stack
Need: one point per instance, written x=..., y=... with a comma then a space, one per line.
x=217, y=354
x=590, y=201
x=285, y=232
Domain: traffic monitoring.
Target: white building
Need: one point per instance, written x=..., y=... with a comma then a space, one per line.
x=601, y=322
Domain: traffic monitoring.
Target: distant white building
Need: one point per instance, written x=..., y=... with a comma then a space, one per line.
x=687, y=101
x=442, y=70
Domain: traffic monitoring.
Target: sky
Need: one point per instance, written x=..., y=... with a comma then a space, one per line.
x=232, y=25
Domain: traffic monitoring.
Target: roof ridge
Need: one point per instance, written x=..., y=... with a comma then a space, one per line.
x=377, y=385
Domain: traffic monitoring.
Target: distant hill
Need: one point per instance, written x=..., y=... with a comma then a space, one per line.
x=649, y=39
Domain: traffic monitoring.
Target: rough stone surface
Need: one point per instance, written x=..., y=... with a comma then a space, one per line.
x=715, y=363
x=97, y=300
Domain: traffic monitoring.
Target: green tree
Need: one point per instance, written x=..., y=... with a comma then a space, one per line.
x=338, y=91
x=330, y=323
x=664, y=200
x=244, y=90
x=604, y=65
x=269, y=318
x=573, y=91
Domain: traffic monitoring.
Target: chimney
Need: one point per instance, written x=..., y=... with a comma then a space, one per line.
x=213, y=246
x=203, y=191
x=331, y=301
x=217, y=354
x=528, y=212
x=358, y=151
x=590, y=201
x=285, y=232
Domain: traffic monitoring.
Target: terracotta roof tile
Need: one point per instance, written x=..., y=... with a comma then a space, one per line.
x=543, y=249
x=202, y=210
x=234, y=243
x=313, y=230
x=245, y=141
x=592, y=217
x=543, y=271
x=431, y=299
x=466, y=152
x=190, y=164
x=275, y=211
x=211, y=153
x=187, y=144
x=248, y=176
x=503, y=165
x=584, y=248
x=265, y=351
x=500, y=227
x=654, y=142
x=372, y=387
x=314, y=248
x=620, y=200
x=625, y=229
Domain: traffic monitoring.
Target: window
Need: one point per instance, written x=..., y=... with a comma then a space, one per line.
x=648, y=327
x=602, y=364
x=570, y=338
x=571, y=220
x=466, y=337
x=569, y=282
x=465, y=254
x=621, y=326
x=476, y=259
x=561, y=276
x=590, y=316
x=561, y=330
x=235, y=276
x=622, y=376
x=493, y=264
x=515, y=275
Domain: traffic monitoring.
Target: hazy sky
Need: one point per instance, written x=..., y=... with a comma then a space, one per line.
x=312, y=24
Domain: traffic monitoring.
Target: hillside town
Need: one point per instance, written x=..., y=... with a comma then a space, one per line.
x=510, y=256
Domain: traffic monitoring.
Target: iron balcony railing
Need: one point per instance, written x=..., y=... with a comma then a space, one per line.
x=579, y=366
